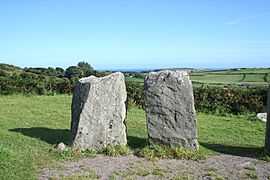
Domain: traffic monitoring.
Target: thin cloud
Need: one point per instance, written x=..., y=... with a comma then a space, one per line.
x=243, y=42
x=247, y=18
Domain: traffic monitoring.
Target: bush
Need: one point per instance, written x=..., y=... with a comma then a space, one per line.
x=135, y=93
x=234, y=100
x=116, y=150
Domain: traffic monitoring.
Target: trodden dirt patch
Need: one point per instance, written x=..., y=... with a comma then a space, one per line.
x=133, y=167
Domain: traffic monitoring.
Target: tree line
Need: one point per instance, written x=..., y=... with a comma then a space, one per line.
x=50, y=81
x=43, y=81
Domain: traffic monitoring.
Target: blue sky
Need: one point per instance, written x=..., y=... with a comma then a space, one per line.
x=130, y=34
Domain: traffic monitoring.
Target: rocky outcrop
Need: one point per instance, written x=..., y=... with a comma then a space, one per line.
x=98, y=112
x=170, y=112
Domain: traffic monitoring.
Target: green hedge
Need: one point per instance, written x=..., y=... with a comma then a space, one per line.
x=135, y=93
x=233, y=100
x=36, y=84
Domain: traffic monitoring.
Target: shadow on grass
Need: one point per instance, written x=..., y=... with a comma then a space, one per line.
x=136, y=142
x=233, y=150
x=51, y=136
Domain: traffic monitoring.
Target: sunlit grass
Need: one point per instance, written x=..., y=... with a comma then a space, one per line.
x=31, y=125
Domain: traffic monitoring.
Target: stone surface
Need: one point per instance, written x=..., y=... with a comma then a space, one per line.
x=267, y=136
x=170, y=112
x=98, y=112
x=262, y=116
x=61, y=147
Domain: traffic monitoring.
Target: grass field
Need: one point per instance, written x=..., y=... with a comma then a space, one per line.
x=254, y=78
x=268, y=78
x=223, y=79
x=258, y=79
x=132, y=79
x=257, y=76
x=236, y=76
x=30, y=126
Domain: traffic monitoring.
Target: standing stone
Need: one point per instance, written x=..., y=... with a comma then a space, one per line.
x=98, y=112
x=267, y=136
x=170, y=112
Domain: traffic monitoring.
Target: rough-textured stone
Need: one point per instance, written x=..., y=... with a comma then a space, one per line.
x=61, y=147
x=267, y=136
x=98, y=112
x=262, y=116
x=170, y=112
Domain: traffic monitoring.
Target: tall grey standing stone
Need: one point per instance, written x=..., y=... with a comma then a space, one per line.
x=170, y=112
x=98, y=112
x=267, y=136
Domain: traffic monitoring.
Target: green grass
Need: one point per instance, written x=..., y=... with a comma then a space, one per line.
x=251, y=70
x=238, y=71
x=268, y=78
x=215, y=175
x=236, y=135
x=31, y=126
x=254, y=78
x=116, y=150
x=223, y=79
x=258, y=76
x=133, y=79
x=136, y=128
x=250, y=168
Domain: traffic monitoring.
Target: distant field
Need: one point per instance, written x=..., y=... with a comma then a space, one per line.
x=132, y=79
x=223, y=79
x=257, y=76
x=237, y=76
x=268, y=77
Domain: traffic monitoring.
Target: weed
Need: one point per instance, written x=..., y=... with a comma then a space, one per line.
x=250, y=168
x=52, y=178
x=160, y=152
x=215, y=175
x=213, y=169
x=265, y=158
x=81, y=177
x=90, y=153
x=112, y=176
x=158, y=172
x=116, y=150
x=180, y=153
x=148, y=153
x=181, y=178
x=144, y=172
x=59, y=167
x=252, y=175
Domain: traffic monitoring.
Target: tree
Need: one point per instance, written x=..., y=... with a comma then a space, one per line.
x=73, y=71
x=60, y=72
x=87, y=69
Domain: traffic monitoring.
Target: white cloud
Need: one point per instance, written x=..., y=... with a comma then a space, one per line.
x=247, y=18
